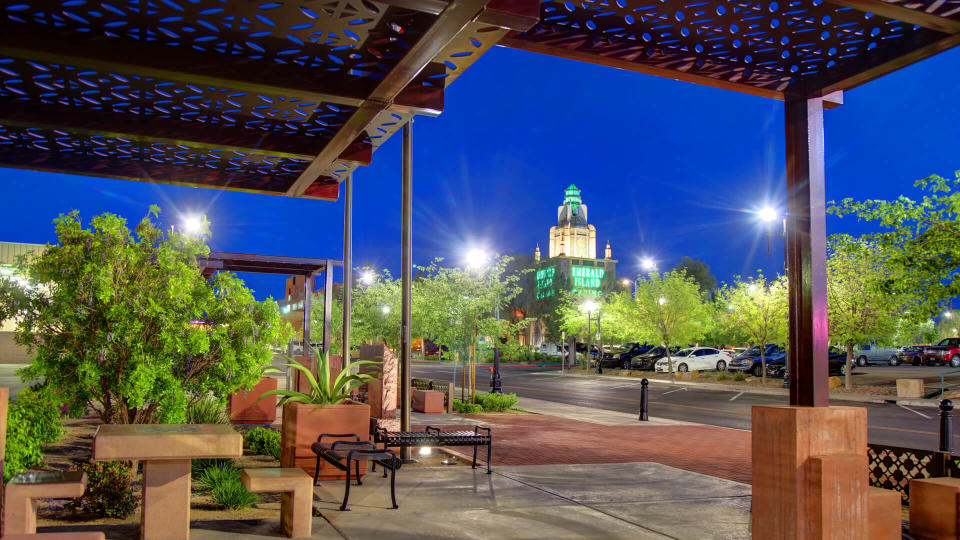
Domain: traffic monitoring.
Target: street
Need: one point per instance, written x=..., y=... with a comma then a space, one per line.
x=889, y=424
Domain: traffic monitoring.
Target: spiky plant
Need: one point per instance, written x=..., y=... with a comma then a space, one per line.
x=323, y=391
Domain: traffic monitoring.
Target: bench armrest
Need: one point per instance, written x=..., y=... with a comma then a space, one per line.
x=476, y=430
x=434, y=430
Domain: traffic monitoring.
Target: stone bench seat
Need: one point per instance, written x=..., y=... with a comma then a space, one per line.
x=82, y=535
x=25, y=490
x=296, y=503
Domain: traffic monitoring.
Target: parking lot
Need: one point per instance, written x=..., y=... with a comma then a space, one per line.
x=887, y=375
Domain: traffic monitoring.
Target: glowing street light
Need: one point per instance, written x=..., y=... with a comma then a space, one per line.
x=768, y=214
x=385, y=310
x=648, y=264
x=947, y=314
x=476, y=258
x=625, y=282
x=193, y=224
x=367, y=277
x=753, y=287
x=589, y=306
x=662, y=301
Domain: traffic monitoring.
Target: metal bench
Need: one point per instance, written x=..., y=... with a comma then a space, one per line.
x=341, y=453
x=432, y=436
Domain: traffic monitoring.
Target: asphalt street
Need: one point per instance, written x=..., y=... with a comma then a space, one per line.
x=889, y=424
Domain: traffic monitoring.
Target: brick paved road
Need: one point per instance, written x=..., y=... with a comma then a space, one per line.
x=528, y=439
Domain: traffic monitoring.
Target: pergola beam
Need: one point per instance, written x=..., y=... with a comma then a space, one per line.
x=196, y=67
x=453, y=20
x=917, y=17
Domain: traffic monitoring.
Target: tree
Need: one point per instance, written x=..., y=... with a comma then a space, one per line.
x=700, y=272
x=921, y=241
x=670, y=307
x=909, y=331
x=861, y=308
x=723, y=328
x=759, y=307
x=126, y=325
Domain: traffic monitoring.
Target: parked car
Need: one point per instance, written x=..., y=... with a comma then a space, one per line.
x=910, y=354
x=872, y=354
x=695, y=358
x=623, y=358
x=946, y=351
x=837, y=365
x=646, y=361
x=749, y=361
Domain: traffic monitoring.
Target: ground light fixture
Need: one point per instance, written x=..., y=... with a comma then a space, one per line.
x=425, y=451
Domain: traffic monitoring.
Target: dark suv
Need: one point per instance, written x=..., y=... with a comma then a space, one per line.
x=749, y=360
x=646, y=360
x=624, y=356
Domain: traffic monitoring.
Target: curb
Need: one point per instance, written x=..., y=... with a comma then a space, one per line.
x=890, y=400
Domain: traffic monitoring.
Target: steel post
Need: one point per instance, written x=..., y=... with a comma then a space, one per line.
x=347, y=269
x=406, y=281
x=806, y=252
x=327, y=304
x=946, y=426
x=307, y=312
x=644, y=384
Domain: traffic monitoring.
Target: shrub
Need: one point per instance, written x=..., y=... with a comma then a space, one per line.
x=33, y=420
x=263, y=441
x=230, y=493
x=739, y=376
x=223, y=482
x=466, y=407
x=110, y=492
x=198, y=466
x=721, y=376
x=207, y=410
x=497, y=402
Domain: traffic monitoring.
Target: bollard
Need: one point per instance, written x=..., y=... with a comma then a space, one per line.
x=643, y=400
x=946, y=426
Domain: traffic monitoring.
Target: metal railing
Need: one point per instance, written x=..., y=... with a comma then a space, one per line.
x=942, y=388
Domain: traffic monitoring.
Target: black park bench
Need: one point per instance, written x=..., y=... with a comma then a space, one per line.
x=434, y=437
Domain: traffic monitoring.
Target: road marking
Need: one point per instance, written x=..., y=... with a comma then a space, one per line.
x=625, y=385
x=913, y=411
x=684, y=388
x=736, y=396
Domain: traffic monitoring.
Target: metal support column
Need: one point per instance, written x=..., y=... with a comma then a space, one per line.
x=327, y=303
x=347, y=268
x=406, y=280
x=307, y=309
x=806, y=252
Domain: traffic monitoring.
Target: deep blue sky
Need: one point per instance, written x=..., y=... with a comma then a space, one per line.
x=667, y=169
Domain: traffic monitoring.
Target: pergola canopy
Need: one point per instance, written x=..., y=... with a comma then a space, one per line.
x=288, y=97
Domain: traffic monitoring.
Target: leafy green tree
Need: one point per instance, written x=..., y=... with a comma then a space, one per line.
x=920, y=241
x=700, y=272
x=910, y=332
x=670, y=307
x=125, y=324
x=861, y=308
x=759, y=307
x=723, y=328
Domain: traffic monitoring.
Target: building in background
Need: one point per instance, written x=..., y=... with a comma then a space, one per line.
x=571, y=265
x=10, y=252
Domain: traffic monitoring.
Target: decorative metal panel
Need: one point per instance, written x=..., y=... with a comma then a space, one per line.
x=892, y=467
x=941, y=8
x=118, y=157
x=766, y=44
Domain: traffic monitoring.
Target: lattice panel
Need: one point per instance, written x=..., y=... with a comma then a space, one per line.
x=353, y=37
x=470, y=45
x=766, y=44
x=942, y=8
x=124, y=158
x=893, y=468
x=27, y=81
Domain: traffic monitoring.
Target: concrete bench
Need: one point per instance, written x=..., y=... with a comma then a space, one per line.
x=83, y=535
x=24, y=491
x=296, y=503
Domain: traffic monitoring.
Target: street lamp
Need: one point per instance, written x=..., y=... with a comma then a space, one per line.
x=385, y=310
x=193, y=224
x=477, y=258
x=768, y=215
x=648, y=264
x=367, y=277
x=947, y=314
x=590, y=306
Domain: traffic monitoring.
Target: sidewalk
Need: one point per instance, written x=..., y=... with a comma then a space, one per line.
x=568, y=434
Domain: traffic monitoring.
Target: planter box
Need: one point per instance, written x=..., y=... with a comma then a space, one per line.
x=300, y=383
x=303, y=423
x=245, y=409
x=427, y=401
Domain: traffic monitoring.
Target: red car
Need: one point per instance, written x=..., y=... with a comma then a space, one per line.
x=947, y=351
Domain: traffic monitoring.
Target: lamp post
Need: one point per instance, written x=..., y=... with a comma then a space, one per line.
x=768, y=215
x=477, y=258
x=590, y=306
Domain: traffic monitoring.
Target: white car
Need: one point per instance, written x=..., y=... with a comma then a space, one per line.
x=695, y=359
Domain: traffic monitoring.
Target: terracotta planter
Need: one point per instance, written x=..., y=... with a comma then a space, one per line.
x=303, y=423
x=300, y=383
x=245, y=409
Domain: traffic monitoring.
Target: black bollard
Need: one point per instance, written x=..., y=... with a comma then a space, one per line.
x=643, y=400
x=946, y=426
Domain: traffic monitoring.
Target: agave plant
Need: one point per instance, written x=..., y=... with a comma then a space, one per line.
x=322, y=391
